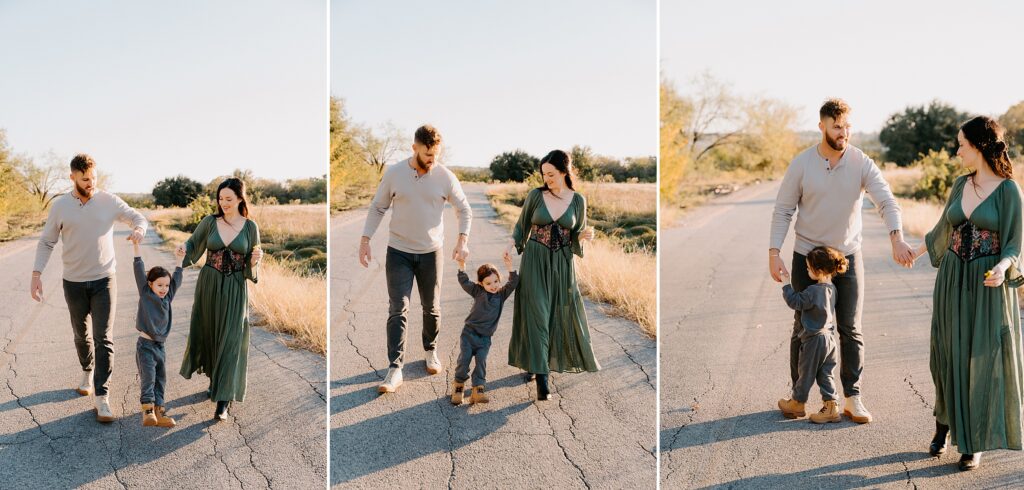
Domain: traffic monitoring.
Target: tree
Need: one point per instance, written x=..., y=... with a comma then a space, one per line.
x=353, y=182
x=910, y=134
x=1013, y=122
x=673, y=140
x=583, y=160
x=938, y=172
x=176, y=192
x=716, y=118
x=513, y=166
x=46, y=181
x=379, y=149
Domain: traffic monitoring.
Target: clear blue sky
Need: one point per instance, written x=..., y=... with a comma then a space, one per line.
x=496, y=75
x=881, y=56
x=153, y=89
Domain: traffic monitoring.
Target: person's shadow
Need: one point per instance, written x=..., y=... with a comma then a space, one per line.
x=391, y=439
x=76, y=450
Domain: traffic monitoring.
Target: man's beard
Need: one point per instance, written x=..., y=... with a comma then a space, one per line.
x=834, y=144
x=421, y=164
x=82, y=192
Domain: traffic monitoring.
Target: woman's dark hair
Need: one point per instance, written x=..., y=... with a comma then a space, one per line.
x=827, y=260
x=985, y=134
x=156, y=273
x=485, y=271
x=562, y=162
x=238, y=187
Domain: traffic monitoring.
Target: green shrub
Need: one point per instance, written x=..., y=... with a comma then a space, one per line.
x=939, y=170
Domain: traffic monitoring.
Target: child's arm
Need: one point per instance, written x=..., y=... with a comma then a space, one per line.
x=510, y=286
x=135, y=245
x=467, y=285
x=139, y=268
x=798, y=301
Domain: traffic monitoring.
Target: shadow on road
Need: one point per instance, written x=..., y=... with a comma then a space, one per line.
x=738, y=427
x=827, y=477
x=52, y=396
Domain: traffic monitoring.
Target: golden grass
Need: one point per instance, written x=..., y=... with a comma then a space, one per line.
x=284, y=300
x=902, y=179
x=919, y=217
x=625, y=281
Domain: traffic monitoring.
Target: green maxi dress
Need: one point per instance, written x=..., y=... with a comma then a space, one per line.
x=549, y=323
x=218, y=337
x=975, y=358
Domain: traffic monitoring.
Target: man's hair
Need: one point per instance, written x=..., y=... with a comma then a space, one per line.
x=82, y=162
x=485, y=271
x=834, y=108
x=428, y=136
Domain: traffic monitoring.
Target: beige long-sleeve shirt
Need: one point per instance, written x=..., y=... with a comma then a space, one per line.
x=87, y=232
x=417, y=207
x=829, y=201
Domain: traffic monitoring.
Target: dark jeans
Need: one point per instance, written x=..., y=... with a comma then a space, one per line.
x=401, y=269
x=849, y=303
x=817, y=363
x=92, y=303
x=472, y=345
x=150, y=357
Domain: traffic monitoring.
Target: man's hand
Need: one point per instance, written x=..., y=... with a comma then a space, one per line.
x=364, y=252
x=461, y=251
x=136, y=236
x=37, y=287
x=903, y=253
x=776, y=266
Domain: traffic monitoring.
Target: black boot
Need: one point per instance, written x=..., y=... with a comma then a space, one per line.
x=222, y=411
x=527, y=377
x=941, y=440
x=542, y=388
x=969, y=462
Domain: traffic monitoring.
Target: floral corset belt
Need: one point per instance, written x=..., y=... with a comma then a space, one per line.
x=225, y=260
x=551, y=236
x=970, y=242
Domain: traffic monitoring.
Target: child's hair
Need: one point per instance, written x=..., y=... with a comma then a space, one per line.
x=827, y=260
x=156, y=273
x=484, y=271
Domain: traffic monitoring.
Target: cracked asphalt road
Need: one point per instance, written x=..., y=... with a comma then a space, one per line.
x=724, y=335
x=599, y=433
x=49, y=437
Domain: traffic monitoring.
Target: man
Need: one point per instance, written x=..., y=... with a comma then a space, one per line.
x=84, y=221
x=827, y=183
x=416, y=190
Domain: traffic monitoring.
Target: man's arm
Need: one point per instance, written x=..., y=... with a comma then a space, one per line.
x=464, y=213
x=129, y=216
x=380, y=204
x=785, y=207
x=889, y=209
x=47, y=240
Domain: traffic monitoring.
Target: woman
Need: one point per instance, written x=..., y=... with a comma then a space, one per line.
x=549, y=324
x=218, y=338
x=976, y=360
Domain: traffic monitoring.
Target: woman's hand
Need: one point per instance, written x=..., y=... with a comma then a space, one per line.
x=257, y=254
x=995, y=277
x=587, y=234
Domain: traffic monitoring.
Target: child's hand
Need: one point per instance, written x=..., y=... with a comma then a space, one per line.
x=462, y=265
x=135, y=246
x=508, y=262
x=180, y=251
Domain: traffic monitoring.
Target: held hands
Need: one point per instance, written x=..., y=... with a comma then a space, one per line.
x=135, y=237
x=903, y=254
x=462, y=265
x=461, y=251
x=507, y=259
x=179, y=252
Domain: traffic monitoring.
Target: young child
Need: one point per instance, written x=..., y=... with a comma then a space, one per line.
x=488, y=297
x=156, y=290
x=817, y=307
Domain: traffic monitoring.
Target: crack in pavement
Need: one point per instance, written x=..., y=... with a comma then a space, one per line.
x=628, y=355
x=695, y=407
x=910, y=480
x=252, y=452
x=312, y=385
x=438, y=399
x=565, y=452
x=913, y=388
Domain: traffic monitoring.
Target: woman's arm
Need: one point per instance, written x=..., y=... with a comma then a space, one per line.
x=1008, y=268
x=195, y=246
x=581, y=224
x=252, y=266
x=521, y=231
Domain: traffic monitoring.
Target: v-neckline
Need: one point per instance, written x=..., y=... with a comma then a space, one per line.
x=219, y=235
x=980, y=203
x=546, y=208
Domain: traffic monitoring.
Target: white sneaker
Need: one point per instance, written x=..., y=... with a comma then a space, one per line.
x=433, y=365
x=85, y=387
x=854, y=409
x=391, y=382
x=103, y=413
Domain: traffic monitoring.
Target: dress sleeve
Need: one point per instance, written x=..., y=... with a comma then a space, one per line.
x=252, y=271
x=937, y=240
x=581, y=224
x=521, y=232
x=1010, y=232
x=195, y=246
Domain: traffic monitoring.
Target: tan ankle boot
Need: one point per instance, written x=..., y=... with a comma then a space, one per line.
x=162, y=420
x=478, y=396
x=148, y=415
x=829, y=413
x=457, y=392
x=791, y=409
